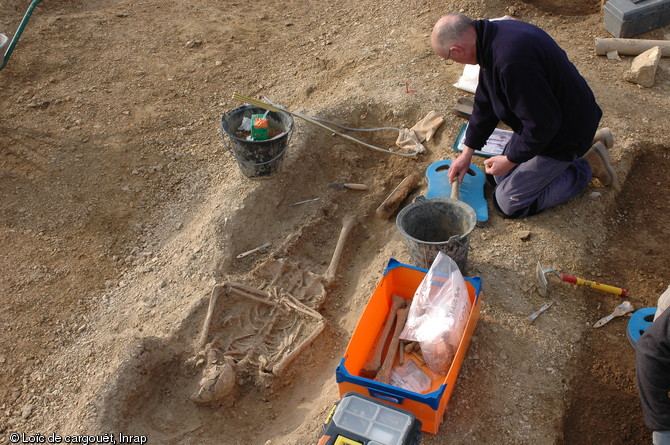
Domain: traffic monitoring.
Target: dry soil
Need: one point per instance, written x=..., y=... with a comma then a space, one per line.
x=121, y=208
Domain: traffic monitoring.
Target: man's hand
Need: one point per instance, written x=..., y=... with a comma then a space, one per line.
x=498, y=165
x=461, y=165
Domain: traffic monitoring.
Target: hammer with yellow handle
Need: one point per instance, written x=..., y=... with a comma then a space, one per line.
x=542, y=282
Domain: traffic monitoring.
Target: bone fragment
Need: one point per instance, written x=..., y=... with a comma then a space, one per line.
x=208, y=318
x=372, y=368
x=218, y=378
x=241, y=293
x=294, y=303
x=384, y=373
x=347, y=224
x=248, y=289
x=280, y=367
x=419, y=356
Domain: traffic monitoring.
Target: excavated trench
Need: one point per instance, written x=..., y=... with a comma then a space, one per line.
x=302, y=242
x=154, y=394
x=603, y=405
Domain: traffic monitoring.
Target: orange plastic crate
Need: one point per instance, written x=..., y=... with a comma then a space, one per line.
x=403, y=280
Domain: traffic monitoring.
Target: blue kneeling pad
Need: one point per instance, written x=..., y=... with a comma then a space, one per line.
x=471, y=190
x=639, y=322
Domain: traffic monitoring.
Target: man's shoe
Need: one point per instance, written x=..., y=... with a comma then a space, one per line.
x=605, y=136
x=600, y=162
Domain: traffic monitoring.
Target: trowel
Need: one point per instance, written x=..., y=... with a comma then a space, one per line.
x=620, y=310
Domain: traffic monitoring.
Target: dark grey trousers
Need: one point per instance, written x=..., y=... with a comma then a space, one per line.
x=540, y=183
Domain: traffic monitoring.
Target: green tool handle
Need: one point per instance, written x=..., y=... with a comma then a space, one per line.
x=15, y=39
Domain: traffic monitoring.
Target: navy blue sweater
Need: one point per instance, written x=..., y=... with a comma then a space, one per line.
x=527, y=81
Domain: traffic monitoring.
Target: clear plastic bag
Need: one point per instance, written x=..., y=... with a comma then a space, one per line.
x=438, y=314
x=411, y=377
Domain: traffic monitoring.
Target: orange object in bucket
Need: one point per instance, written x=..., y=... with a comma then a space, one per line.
x=261, y=122
x=259, y=127
x=257, y=159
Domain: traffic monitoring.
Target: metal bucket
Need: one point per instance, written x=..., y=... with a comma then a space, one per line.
x=432, y=225
x=257, y=158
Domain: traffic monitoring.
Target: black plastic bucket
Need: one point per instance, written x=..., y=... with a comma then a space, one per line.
x=432, y=225
x=257, y=158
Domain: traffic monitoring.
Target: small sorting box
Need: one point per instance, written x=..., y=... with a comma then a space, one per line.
x=361, y=420
x=429, y=407
x=628, y=18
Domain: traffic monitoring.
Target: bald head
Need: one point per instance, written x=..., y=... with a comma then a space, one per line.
x=454, y=32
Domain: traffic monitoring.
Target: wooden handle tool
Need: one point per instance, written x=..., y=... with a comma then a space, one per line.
x=454, y=189
x=398, y=195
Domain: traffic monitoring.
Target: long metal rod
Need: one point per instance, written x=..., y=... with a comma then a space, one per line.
x=266, y=106
x=15, y=39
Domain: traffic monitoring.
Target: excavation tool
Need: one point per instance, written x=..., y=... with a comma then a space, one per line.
x=303, y=202
x=454, y=189
x=531, y=318
x=346, y=185
x=4, y=40
x=255, y=249
x=620, y=310
x=268, y=105
x=542, y=282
